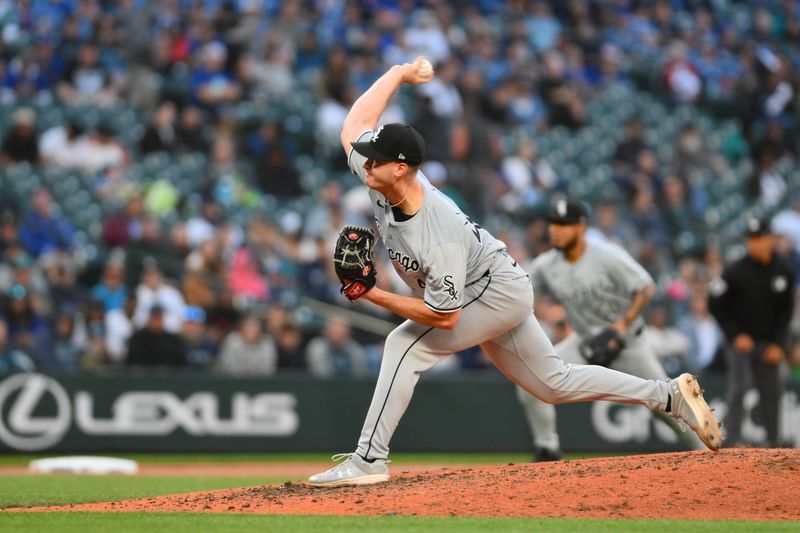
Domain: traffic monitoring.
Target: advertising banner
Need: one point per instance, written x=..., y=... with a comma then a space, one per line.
x=45, y=413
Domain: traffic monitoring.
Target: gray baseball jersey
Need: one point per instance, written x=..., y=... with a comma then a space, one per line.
x=439, y=250
x=596, y=289
x=452, y=263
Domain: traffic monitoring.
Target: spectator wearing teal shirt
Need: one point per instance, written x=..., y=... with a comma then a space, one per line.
x=111, y=289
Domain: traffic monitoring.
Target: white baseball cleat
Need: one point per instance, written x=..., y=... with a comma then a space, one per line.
x=353, y=471
x=689, y=406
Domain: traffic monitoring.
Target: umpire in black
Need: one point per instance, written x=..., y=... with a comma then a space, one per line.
x=753, y=303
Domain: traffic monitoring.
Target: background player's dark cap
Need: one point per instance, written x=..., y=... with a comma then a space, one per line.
x=756, y=227
x=564, y=212
x=394, y=142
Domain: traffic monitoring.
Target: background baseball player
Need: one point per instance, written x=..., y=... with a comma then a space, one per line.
x=466, y=290
x=603, y=291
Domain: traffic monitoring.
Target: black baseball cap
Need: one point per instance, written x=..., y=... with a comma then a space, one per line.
x=757, y=227
x=564, y=212
x=394, y=142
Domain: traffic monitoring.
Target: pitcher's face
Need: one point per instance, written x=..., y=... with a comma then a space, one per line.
x=383, y=174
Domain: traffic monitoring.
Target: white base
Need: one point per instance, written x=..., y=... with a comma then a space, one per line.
x=83, y=465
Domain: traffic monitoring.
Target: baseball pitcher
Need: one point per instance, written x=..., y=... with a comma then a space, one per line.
x=467, y=291
x=603, y=291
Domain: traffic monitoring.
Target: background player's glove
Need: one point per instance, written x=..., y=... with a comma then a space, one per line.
x=352, y=260
x=603, y=348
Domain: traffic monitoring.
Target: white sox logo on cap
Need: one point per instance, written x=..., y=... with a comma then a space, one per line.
x=393, y=142
x=561, y=208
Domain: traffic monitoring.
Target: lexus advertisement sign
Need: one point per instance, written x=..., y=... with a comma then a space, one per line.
x=42, y=413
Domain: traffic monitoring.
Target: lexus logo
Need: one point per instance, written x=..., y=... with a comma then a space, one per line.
x=20, y=428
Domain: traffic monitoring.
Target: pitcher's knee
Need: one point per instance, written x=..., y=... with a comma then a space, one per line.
x=540, y=391
x=399, y=341
x=555, y=384
x=397, y=338
x=548, y=395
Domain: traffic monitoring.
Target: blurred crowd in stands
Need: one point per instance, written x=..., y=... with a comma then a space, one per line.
x=229, y=268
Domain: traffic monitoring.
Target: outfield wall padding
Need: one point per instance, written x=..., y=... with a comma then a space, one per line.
x=184, y=413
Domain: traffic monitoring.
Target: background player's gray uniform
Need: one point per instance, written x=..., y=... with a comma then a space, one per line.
x=454, y=264
x=595, y=291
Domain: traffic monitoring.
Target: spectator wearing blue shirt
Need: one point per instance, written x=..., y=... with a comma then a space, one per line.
x=212, y=85
x=27, y=330
x=12, y=359
x=543, y=28
x=42, y=230
x=111, y=289
x=66, y=353
x=201, y=350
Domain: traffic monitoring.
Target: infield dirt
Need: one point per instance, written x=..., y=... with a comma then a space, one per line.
x=744, y=484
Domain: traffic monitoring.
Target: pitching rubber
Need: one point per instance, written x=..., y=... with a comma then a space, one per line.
x=709, y=430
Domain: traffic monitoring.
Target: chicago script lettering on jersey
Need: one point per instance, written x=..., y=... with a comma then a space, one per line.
x=408, y=263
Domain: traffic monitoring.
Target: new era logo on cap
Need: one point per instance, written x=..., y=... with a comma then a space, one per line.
x=394, y=142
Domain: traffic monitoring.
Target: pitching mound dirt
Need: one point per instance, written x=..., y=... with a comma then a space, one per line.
x=745, y=484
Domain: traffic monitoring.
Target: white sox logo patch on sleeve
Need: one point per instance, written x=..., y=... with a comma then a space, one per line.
x=450, y=288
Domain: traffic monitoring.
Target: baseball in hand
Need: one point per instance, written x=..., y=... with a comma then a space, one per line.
x=425, y=69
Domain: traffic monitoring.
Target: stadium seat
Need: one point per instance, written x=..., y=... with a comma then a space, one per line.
x=685, y=243
x=155, y=162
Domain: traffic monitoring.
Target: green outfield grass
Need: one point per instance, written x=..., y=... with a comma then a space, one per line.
x=30, y=491
x=432, y=458
x=82, y=522
x=24, y=491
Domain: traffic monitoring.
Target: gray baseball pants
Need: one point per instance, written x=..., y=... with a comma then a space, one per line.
x=498, y=317
x=637, y=359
